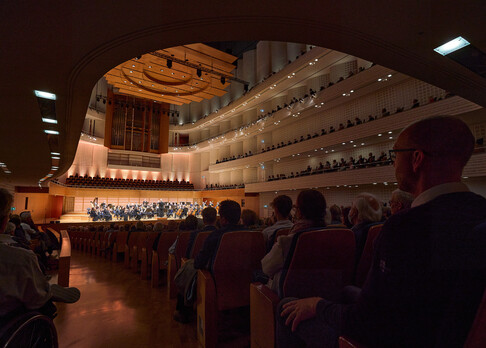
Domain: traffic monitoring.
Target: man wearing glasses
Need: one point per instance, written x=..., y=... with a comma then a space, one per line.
x=429, y=263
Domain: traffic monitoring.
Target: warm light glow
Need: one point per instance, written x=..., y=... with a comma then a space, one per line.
x=452, y=46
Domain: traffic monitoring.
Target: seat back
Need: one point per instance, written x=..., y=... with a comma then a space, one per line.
x=239, y=254
x=165, y=241
x=319, y=263
x=180, y=250
x=121, y=240
x=198, y=243
x=367, y=255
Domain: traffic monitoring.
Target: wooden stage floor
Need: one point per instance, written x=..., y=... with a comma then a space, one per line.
x=117, y=309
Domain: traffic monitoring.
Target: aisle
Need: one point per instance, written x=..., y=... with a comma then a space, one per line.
x=117, y=309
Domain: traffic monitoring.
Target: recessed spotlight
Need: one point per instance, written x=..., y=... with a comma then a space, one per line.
x=56, y=157
x=344, y=143
x=389, y=75
x=351, y=141
x=45, y=95
x=131, y=71
x=55, y=153
x=7, y=172
x=362, y=144
x=452, y=46
x=390, y=137
x=48, y=131
x=380, y=135
x=379, y=80
x=49, y=120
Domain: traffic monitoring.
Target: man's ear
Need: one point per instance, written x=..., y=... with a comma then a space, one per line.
x=418, y=159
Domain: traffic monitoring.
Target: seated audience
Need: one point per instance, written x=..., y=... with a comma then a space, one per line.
x=365, y=211
x=229, y=213
x=24, y=286
x=400, y=200
x=428, y=272
x=335, y=212
x=282, y=205
x=209, y=221
x=249, y=219
x=309, y=214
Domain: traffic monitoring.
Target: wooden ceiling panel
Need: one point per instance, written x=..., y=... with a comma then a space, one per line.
x=150, y=77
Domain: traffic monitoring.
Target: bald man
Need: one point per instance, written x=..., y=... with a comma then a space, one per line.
x=429, y=263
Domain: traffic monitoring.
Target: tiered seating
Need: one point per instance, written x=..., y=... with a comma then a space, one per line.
x=85, y=181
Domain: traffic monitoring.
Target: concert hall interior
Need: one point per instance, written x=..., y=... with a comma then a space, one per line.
x=115, y=104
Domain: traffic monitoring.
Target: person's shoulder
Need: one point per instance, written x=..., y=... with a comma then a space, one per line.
x=17, y=253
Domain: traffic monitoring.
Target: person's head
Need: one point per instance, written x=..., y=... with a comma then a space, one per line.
x=127, y=227
x=229, y=212
x=249, y=218
x=26, y=217
x=9, y=228
x=6, y=200
x=400, y=200
x=365, y=208
x=311, y=205
x=335, y=212
x=139, y=225
x=431, y=152
x=209, y=216
x=282, y=205
x=191, y=223
x=15, y=219
x=158, y=227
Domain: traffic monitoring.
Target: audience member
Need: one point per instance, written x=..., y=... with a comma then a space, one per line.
x=335, y=212
x=282, y=205
x=23, y=285
x=249, y=219
x=400, y=200
x=209, y=221
x=428, y=272
x=365, y=212
x=310, y=213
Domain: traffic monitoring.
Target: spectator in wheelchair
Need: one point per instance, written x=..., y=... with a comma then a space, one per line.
x=23, y=286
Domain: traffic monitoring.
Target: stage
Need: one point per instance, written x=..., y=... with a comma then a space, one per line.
x=84, y=218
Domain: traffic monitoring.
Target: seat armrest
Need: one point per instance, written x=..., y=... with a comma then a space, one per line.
x=207, y=317
x=263, y=304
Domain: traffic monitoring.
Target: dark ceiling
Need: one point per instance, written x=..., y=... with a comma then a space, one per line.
x=65, y=47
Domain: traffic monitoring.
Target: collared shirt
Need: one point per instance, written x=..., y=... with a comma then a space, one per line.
x=433, y=192
x=281, y=224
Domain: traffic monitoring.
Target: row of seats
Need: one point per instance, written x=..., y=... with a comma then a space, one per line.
x=128, y=183
x=320, y=263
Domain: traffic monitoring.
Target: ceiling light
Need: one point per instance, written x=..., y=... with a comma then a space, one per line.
x=362, y=144
x=390, y=132
x=49, y=120
x=55, y=153
x=48, y=131
x=379, y=80
x=45, y=95
x=49, y=175
x=380, y=135
x=56, y=157
x=452, y=46
x=390, y=137
x=344, y=143
x=351, y=141
x=389, y=75
x=8, y=172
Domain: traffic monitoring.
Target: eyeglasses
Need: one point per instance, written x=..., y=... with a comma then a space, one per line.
x=393, y=153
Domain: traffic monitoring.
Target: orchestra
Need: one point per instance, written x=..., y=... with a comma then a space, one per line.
x=145, y=210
